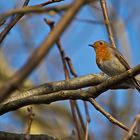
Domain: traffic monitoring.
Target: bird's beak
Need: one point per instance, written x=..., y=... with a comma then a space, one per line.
x=91, y=45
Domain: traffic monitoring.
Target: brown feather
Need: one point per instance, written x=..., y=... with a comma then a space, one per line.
x=120, y=57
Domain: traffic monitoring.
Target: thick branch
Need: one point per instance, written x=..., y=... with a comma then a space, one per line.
x=69, y=94
x=13, y=136
x=69, y=84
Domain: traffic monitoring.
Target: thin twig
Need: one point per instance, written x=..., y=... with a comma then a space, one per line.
x=48, y=2
x=80, y=117
x=26, y=2
x=71, y=67
x=87, y=121
x=29, y=9
x=132, y=129
x=85, y=104
x=107, y=115
x=75, y=119
x=75, y=75
x=86, y=133
x=12, y=23
x=30, y=121
x=67, y=76
x=19, y=16
x=107, y=22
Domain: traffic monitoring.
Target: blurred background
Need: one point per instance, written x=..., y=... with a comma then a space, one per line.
x=86, y=28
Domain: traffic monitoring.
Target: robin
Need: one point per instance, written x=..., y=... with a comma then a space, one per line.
x=111, y=62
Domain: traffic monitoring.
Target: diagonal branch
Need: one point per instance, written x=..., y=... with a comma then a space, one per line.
x=40, y=52
x=107, y=115
x=130, y=135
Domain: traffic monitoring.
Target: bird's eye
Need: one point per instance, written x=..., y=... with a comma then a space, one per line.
x=101, y=43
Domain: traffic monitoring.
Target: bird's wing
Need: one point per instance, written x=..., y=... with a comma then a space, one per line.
x=122, y=60
x=120, y=57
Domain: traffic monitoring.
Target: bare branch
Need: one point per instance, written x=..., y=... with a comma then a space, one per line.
x=11, y=24
x=130, y=135
x=48, y=2
x=107, y=115
x=30, y=121
x=40, y=52
x=70, y=84
x=107, y=22
x=67, y=76
x=85, y=104
x=28, y=9
x=92, y=92
x=13, y=136
x=19, y=16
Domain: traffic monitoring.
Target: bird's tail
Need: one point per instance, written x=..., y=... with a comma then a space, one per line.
x=137, y=85
x=138, y=89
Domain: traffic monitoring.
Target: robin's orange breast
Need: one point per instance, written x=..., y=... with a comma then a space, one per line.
x=103, y=54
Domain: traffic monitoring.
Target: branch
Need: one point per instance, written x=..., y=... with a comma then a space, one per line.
x=130, y=135
x=48, y=2
x=29, y=9
x=31, y=117
x=108, y=116
x=70, y=84
x=67, y=76
x=13, y=136
x=85, y=128
x=40, y=52
x=92, y=92
x=12, y=23
x=19, y=16
x=107, y=22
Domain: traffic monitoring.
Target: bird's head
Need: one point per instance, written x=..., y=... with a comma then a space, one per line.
x=102, y=49
x=99, y=44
